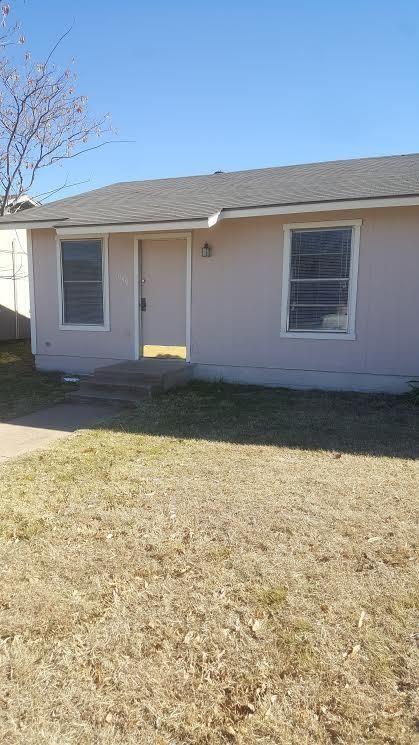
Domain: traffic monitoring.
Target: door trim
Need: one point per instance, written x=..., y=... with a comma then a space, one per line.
x=187, y=237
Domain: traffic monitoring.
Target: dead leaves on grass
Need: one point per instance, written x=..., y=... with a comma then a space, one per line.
x=352, y=651
x=218, y=592
x=361, y=619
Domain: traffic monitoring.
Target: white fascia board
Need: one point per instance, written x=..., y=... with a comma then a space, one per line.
x=27, y=225
x=134, y=227
x=350, y=204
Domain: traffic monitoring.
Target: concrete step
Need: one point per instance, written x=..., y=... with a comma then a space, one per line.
x=137, y=388
x=110, y=398
x=131, y=379
x=128, y=383
x=165, y=379
x=149, y=366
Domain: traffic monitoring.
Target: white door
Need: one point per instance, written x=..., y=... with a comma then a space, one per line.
x=163, y=297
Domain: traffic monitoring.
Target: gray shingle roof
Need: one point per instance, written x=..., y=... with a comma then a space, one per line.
x=198, y=197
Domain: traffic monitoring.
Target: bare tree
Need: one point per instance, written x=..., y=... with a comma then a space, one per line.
x=7, y=31
x=43, y=118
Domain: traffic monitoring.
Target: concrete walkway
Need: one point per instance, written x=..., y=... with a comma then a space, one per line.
x=42, y=428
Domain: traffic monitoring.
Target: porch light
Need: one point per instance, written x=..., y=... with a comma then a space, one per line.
x=206, y=250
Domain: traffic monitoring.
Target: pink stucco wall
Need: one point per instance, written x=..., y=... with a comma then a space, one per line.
x=236, y=300
x=236, y=297
x=118, y=343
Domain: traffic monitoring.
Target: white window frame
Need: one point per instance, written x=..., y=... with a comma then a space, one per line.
x=349, y=334
x=105, y=326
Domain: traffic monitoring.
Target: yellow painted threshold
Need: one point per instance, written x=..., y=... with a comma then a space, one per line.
x=162, y=350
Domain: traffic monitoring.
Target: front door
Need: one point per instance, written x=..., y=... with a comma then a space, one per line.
x=163, y=297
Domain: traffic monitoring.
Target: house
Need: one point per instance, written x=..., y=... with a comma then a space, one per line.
x=302, y=276
x=14, y=283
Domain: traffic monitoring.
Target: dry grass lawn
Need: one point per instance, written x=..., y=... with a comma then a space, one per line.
x=225, y=565
x=22, y=388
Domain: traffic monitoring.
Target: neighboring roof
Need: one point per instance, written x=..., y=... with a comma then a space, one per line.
x=19, y=203
x=199, y=197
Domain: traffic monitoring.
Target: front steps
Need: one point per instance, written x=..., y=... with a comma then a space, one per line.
x=127, y=383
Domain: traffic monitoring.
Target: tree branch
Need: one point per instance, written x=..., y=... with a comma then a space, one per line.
x=43, y=120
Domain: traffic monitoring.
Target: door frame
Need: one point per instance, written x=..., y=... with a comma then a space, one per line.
x=138, y=237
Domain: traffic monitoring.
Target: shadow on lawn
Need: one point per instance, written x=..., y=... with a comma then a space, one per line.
x=22, y=388
x=309, y=420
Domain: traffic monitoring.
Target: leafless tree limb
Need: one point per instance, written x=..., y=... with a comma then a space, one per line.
x=44, y=120
x=47, y=194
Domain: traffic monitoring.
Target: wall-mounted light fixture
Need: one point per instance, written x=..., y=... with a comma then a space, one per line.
x=206, y=250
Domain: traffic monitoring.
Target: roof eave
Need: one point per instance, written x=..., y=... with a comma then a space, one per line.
x=336, y=205
x=224, y=214
x=144, y=227
x=29, y=225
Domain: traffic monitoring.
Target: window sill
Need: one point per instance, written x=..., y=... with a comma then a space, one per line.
x=82, y=327
x=345, y=336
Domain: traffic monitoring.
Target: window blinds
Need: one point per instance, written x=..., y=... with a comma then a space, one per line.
x=319, y=280
x=82, y=282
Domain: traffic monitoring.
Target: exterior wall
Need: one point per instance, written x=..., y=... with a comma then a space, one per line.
x=236, y=306
x=14, y=285
x=63, y=349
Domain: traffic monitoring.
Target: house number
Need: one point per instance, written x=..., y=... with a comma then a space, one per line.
x=122, y=278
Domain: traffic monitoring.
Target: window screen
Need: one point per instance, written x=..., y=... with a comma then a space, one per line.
x=82, y=282
x=319, y=280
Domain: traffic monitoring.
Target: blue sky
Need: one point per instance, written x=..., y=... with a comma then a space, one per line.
x=201, y=86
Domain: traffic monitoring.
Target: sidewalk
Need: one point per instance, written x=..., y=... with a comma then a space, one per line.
x=42, y=428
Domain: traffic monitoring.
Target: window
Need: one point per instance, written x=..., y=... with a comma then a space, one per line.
x=320, y=269
x=83, y=275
